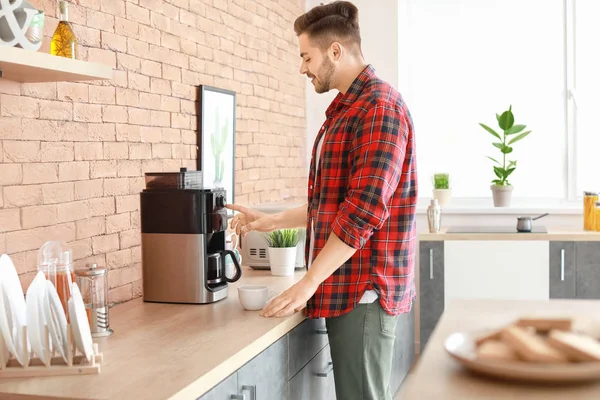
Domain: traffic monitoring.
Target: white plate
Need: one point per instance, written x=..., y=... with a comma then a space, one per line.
x=461, y=346
x=14, y=307
x=57, y=321
x=35, y=317
x=79, y=323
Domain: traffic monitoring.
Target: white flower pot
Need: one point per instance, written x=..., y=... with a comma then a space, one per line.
x=502, y=195
x=443, y=196
x=282, y=260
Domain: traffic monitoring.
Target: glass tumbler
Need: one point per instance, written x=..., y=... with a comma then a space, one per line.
x=55, y=260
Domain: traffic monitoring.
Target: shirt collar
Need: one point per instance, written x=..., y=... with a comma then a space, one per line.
x=355, y=89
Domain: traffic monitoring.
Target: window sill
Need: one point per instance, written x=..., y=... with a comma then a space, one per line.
x=475, y=206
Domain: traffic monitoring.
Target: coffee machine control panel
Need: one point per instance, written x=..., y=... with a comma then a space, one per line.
x=220, y=200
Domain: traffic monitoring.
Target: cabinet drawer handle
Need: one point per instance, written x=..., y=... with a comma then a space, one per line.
x=430, y=263
x=325, y=373
x=251, y=389
x=562, y=264
x=321, y=331
x=237, y=397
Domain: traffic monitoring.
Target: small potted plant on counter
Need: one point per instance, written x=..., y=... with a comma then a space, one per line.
x=282, y=251
x=441, y=188
x=511, y=133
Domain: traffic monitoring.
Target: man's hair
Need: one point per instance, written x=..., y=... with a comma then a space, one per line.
x=325, y=24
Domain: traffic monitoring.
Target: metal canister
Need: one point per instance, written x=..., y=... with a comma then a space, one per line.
x=434, y=216
x=93, y=284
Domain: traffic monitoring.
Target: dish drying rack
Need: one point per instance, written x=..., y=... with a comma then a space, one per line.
x=76, y=364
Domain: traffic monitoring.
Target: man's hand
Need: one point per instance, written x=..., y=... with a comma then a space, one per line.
x=291, y=301
x=251, y=220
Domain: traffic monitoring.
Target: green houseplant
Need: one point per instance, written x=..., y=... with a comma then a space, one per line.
x=441, y=188
x=511, y=133
x=282, y=251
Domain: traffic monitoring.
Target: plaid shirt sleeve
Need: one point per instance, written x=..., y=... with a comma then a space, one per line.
x=377, y=153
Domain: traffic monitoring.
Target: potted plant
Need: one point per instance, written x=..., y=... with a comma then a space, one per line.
x=441, y=188
x=282, y=251
x=511, y=133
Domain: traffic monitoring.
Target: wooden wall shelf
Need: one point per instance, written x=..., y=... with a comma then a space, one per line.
x=29, y=66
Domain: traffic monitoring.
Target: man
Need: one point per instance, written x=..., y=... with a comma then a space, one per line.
x=360, y=215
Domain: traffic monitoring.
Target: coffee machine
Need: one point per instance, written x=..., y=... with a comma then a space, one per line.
x=183, y=239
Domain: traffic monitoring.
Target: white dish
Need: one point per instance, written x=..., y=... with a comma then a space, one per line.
x=461, y=347
x=79, y=323
x=15, y=309
x=57, y=321
x=36, y=322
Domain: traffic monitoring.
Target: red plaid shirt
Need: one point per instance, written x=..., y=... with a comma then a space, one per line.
x=366, y=193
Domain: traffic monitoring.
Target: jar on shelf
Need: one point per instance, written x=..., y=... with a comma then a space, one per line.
x=55, y=260
x=589, y=210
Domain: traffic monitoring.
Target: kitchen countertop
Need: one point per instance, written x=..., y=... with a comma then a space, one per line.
x=552, y=234
x=438, y=377
x=174, y=351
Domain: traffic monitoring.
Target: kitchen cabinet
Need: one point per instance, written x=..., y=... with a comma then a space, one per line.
x=562, y=273
x=315, y=380
x=431, y=287
x=575, y=270
x=588, y=270
x=266, y=374
x=496, y=269
x=503, y=269
x=298, y=366
x=224, y=390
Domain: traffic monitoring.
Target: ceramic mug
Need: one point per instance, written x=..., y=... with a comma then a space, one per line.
x=254, y=297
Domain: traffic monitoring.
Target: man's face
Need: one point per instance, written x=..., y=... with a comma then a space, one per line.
x=316, y=65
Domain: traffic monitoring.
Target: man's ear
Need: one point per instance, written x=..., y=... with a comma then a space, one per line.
x=336, y=51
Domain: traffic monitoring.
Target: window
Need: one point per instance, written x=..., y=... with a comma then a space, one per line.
x=463, y=61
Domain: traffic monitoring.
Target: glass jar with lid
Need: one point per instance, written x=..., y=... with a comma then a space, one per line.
x=55, y=260
x=589, y=210
x=93, y=283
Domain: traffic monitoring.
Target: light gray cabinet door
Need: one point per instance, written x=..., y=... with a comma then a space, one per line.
x=306, y=341
x=314, y=381
x=563, y=271
x=431, y=288
x=267, y=373
x=588, y=270
x=404, y=349
x=224, y=390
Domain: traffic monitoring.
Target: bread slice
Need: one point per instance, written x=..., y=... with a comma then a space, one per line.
x=544, y=325
x=576, y=346
x=531, y=347
x=496, y=350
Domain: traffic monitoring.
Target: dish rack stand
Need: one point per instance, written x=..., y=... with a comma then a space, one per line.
x=76, y=364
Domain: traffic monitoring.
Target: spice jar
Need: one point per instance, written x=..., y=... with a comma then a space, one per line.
x=55, y=260
x=589, y=210
x=597, y=216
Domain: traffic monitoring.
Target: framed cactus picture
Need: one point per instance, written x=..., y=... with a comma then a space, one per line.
x=216, y=138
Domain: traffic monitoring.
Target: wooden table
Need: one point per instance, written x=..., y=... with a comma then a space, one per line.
x=438, y=377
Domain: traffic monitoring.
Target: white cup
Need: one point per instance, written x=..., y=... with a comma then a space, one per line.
x=254, y=298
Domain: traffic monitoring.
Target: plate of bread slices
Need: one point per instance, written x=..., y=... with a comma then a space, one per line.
x=534, y=349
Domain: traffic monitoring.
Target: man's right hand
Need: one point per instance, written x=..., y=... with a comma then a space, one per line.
x=247, y=220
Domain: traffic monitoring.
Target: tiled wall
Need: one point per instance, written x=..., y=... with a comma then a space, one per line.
x=72, y=155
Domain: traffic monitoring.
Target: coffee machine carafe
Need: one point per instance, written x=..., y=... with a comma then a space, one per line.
x=183, y=239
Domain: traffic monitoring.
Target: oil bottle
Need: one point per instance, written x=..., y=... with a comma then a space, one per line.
x=64, y=42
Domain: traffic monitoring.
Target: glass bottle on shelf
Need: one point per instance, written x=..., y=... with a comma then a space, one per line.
x=64, y=42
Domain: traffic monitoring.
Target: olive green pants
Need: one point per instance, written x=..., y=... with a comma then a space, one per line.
x=362, y=348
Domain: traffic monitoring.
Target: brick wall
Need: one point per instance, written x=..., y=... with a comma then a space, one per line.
x=72, y=155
